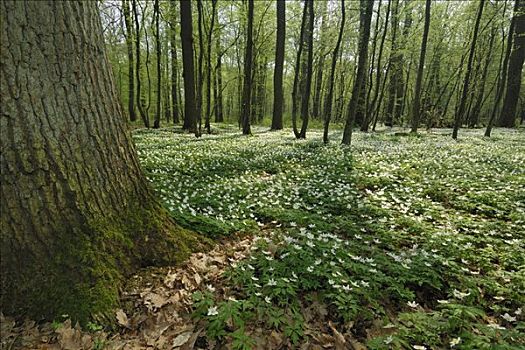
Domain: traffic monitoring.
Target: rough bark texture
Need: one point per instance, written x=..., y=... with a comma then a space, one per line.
x=76, y=212
x=186, y=30
x=416, y=110
x=517, y=57
x=278, y=96
x=364, y=36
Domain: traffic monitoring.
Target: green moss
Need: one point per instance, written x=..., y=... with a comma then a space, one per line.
x=82, y=272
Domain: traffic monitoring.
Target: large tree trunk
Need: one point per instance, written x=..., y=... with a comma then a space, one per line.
x=278, y=97
x=364, y=36
x=188, y=72
x=517, y=57
x=416, y=110
x=76, y=212
x=247, y=86
x=129, y=44
x=327, y=111
x=395, y=62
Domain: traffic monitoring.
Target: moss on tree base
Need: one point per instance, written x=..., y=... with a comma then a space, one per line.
x=82, y=275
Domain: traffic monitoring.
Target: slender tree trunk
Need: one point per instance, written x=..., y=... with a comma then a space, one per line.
x=145, y=118
x=327, y=111
x=200, y=63
x=278, y=96
x=364, y=36
x=476, y=109
x=186, y=35
x=316, y=105
x=305, y=98
x=369, y=113
x=373, y=60
x=156, y=13
x=295, y=88
x=416, y=110
x=77, y=214
x=131, y=75
x=174, y=65
x=504, y=60
x=516, y=59
x=395, y=64
x=209, y=70
x=148, y=76
x=461, y=110
x=247, y=86
x=219, y=113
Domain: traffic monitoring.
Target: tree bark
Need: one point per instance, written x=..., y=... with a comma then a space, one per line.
x=77, y=214
x=395, y=64
x=209, y=70
x=156, y=13
x=504, y=60
x=370, y=111
x=278, y=96
x=143, y=114
x=174, y=66
x=517, y=57
x=247, y=86
x=188, y=70
x=305, y=98
x=364, y=36
x=476, y=109
x=200, y=72
x=295, y=87
x=316, y=104
x=327, y=111
x=131, y=76
x=219, y=112
x=461, y=110
x=416, y=110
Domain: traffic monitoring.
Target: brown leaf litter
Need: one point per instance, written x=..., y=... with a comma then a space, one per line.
x=156, y=310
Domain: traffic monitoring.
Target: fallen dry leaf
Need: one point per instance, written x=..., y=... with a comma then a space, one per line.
x=122, y=318
x=181, y=339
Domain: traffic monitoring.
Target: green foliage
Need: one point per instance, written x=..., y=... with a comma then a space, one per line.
x=428, y=242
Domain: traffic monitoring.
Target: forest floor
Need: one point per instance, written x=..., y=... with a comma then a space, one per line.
x=399, y=242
